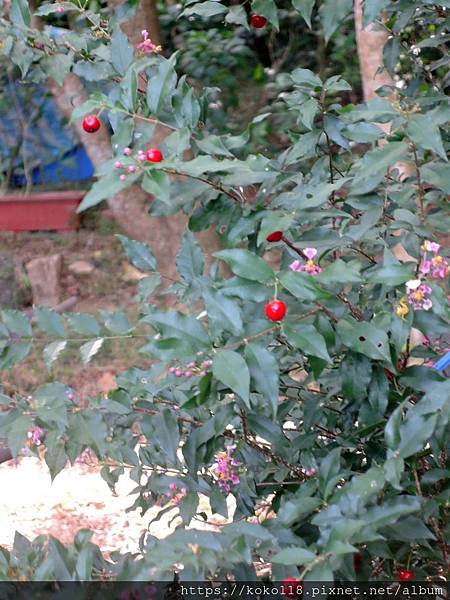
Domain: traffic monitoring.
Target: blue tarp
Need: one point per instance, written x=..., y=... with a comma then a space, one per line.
x=32, y=127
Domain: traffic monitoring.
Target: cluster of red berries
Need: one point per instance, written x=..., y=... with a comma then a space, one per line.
x=192, y=369
x=275, y=309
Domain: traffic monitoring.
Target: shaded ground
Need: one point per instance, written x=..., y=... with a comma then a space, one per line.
x=110, y=285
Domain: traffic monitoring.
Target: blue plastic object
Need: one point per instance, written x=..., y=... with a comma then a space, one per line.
x=443, y=362
x=52, y=151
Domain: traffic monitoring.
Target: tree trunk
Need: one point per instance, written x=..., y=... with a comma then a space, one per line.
x=130, y=207
x=370, y=43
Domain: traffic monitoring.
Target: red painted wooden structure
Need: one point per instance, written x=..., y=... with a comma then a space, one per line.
x=41, y=211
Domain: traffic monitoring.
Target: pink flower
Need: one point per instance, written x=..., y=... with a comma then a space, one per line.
x=310, y=252
x=117, y=164
x=226, y=469
x=309, y=267
x=147, y=46
x=417, y=293
x=132, y=169
x=35, y=435
x=430, y=246
x=127, y=151
x=122, y=177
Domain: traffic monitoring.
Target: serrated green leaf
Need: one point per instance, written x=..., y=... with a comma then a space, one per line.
x=90, y=349
x=139, y=254
x=52, y=351
x=17, y=322
x=83, y=323
x=49, y=321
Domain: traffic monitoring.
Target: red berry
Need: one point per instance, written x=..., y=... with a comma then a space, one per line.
x=406, y=575
x=154, y=155
x=291, y=587
x=357, y=561
x=91, y=124
x=258, y=21
x=275, y=310
x=275, y=236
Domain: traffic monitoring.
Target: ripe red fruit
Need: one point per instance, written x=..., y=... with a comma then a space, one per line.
x=275, y=310
x=91, y=124
x=258, y=21
x=406, y=575
x=357, y=561
x=154, y=155
x=291, y=587
x=275, y=236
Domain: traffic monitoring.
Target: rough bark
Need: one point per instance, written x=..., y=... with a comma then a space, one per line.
x=370, y=43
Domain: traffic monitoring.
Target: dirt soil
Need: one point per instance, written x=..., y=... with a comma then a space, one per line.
x=78, y=498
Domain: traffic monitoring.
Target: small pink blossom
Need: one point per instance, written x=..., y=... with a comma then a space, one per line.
x=430, y=246
x=418, y=293
x=127, y=151
x=35, y=435
x=147, y=46
x=117, y=164
x=310, y=266
x=310, y=252
x=122, y=177
x=226, y=469
x=132, y=169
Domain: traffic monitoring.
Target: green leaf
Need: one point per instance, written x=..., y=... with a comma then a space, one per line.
x=139, y=254
x=415, y=432
x=304, y=78
x=329, y=472
x=307, y=339
x=121, y=51
x=231, y=369
x=148, y=285
x=294, y=556
x=14, y=354
x=49, y=321
x=372, y=9
x=364, y=338
x=104, y=188
x=246, y=264
x=190, y=259
x=117, y=322
x=183, y=327
x=161, y=84
x=437, y=174
x=58, y=66
x=52, y=351
x=210, y=8
x=341, y=272
x=223, y=313
x=157, y=183
x=19, y=13
x=392, y=275
x=90, y=349
x=83, y=323
x=391, y=54
x=188, y=507
x=17, y=322
x=305, y=8
x=303, y=286
x=372, y=168
x=264, y=374
x=332, y=12
x=424, y=132
x=166, y=434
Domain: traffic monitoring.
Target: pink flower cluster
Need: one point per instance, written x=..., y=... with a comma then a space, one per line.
x=192, y=369
x=308, y=267
x=309, y=472
x=130, y=168
x=35, y=435
x=226, y=469
x=175, y=494
x=147, y=46
x=418, y=294
x=436, y=265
